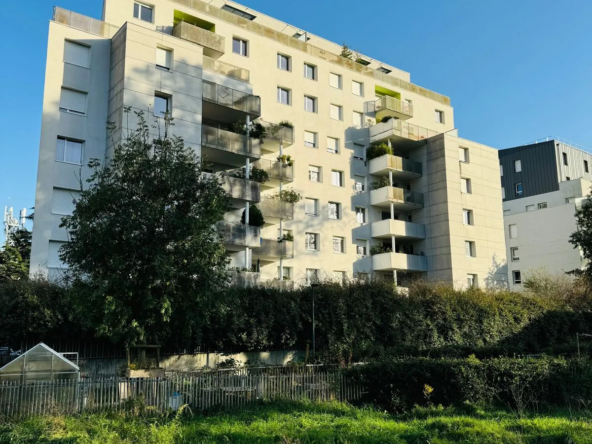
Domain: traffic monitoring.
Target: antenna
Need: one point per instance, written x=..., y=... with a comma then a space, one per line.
x=11, y=223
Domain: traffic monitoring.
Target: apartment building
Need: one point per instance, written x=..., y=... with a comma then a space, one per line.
x=544, y=184
x=387, y=187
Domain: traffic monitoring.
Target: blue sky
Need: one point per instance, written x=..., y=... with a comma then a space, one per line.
x=516, y=70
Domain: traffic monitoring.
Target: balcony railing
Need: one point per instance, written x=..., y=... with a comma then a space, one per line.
x=276, y=170
x=381, y=165
x=239, y=234
x=399, y=128
x=390, y=106
x=271, y=248
x=226, y=69
x=276, y=209
x=231, y=98
x=399, y=261
x=83, y=23
x=213, y=44
x=241, y=189
x=244, y=278
x=385, y=195
x=276, y=134
x=229, y=141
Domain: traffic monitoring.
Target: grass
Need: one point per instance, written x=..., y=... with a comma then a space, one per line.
x=292, y=423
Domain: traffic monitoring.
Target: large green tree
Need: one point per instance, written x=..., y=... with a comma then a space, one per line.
x=582, y=238
x=144, y=255
x=15, y=256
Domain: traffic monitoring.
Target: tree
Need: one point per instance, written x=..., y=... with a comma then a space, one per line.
x=144, y=254
x=256, y=218
x=21, y=240
x=12, y=265
x=346, y=53
x=582, y=238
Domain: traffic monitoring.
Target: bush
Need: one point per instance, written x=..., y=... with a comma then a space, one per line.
x=256, y=218
x=378, y=150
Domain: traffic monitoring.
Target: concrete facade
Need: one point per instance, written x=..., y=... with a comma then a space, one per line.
x=397, y=216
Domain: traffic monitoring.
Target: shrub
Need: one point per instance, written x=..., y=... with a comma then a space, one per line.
x=256, y=218
x=379, y=249
x=378, y=150
x=380, y=183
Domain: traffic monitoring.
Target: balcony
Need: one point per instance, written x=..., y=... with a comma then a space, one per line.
x=277, y=172
x=385, y=229
x=401, y=134
x=244, y=278
x=399, y=261
x=226, y=69
x=285, y=285
x=275, y=210
x=241, y=190
x=388, y=106
x=401, y=168
x=213, y=44
x=224, y=104
x=276, y=135
x=237, y=237
x=228, y=148
x=401, y=199
x=271, y=250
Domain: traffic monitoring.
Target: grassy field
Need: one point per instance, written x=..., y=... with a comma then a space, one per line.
x=291, y=423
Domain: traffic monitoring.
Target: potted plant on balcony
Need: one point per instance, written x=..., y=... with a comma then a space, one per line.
x=288, y=195
x=256, y=218
x=380, y=183
x=378, y=150
x=286, y=160
x=379, y=249
x=254, y=130
x=257, y=174
x=288, y=237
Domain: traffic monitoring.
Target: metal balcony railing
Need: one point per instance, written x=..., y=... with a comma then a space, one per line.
x=226, y=69
x=213, y=44
x=401, y=164
x=278, y=133
x=276, y=169
x=229, y=141
x=400, y=128
x=231, y=98
x=277, y=209
x=391, y=104
x=401, y=195
x=83, y=23
x=238, y=234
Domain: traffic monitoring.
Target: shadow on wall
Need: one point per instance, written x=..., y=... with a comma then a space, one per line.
x=497, y=277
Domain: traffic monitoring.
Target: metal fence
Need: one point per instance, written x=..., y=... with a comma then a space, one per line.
x=200, y=391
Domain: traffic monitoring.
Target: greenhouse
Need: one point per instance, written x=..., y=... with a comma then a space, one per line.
x=40, y=363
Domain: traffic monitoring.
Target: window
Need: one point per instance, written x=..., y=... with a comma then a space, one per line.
x=240, y=46
x=358, y=119
x=69, y=151
x=339, y=276
x=565, y=159
x=284, y=62
x=503, y=193
x=518, y=188
x=439, y=116
x=384, y=70
x=54, y=260
x=287, y=273
x=514, y=254
x=357, y=88
x=162, y=105
x=164, y=58
x=361, y=248
x=359, y=151
x=586, y=166
x=463, y=155
x=312, y=276
x=143, y=12
x=310, y=71
x=518, y=165
x=468, y=217
x=310, y=104
x=302, y=36
x=338, y=245
x=465, y=186
x=568, y=178
x=359, y=184
x=361, y=215
x=310, y=139
x=77, y=54
x=530, y=208
x=311, y=206
x=516, y=277
x=334, y=210
x=314, y=173
x=312, y=243
x=64, y=201
x=284, y=96
x=502, y=170
x=470, y=248
x=513, y=229
x=363, y=62
x=335, y=80
x=238, y=12
x=72, y=101
x=332, y=145
x=542, y=205
x=336, y=112
x=336, y=178
x=472, y=280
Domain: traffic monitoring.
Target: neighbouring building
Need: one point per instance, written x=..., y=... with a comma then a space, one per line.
x=422, y=202
x=543, y=186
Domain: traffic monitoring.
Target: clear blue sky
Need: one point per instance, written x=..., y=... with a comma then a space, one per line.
x=516, y=70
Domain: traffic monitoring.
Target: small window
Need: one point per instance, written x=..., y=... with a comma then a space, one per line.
x=542, y=205
x=287, y=273
x=530, y=207
x=359, y=184
x=518, y=188
x=310, y=71
x=164, y=58
x=77, y=54
x=358, y=119
x=143, y=12
x=517, y=277
x=361, y=215
x=439, y=116
x=468, y=217
x=503, y=193
x=310, y=104
x=64, y=201
x=514, y=254
x=568, y=178
x=72, y=101
x=312, y=276
x=513, y=229
x=472, y=280
x=361, y=251
x=338, y=244
x=465, y=186
x=565, y=159
x=357, y=88
x=337, y=178
x=334, y=210
x=518, y=166
x=284, y=62
x=312, y=242
x=332, y=145
x=240, y=47
x=336, y=112
x=162, y=105
x=310, y=139
x=463, y=154
x=470, y=248
x=501, y=170
x=284, y=96
x=359, y=151
x=335, y=80
x=311, y=206
x=314, y=173
x=69, y=151
x=586, y=166
x=339, y=277
x=384, y=70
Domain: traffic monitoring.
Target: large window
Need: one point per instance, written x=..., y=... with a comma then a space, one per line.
x=310, y=139
x=284, y=62
x=336, y=112
x=338, y=244
x=72, y=101
x=240, y=46
x=312, y=242
x=77, y=54
x=357, y=88
x=162, y=105
x=314, y=173
x=143, y=12
x=335, y=80
x=164, y=58
x=310, y=104
x=337, y=178
x=334, y=210
x=310, y=71
x=69, y=151
x=332, y=145
x=284, y=96
x=311, y=206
